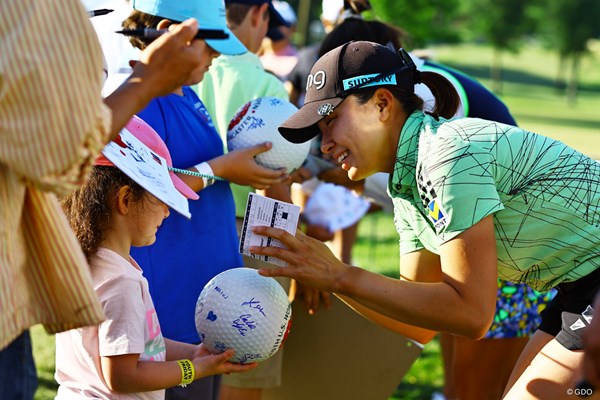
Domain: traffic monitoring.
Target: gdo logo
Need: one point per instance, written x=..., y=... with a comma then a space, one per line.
x=582, y=392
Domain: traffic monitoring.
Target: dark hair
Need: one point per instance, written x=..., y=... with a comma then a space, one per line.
x=357, y=6
x=90, y=207
x=360, y=29
x=236, y=13
x=141, y=20
x=446, y=97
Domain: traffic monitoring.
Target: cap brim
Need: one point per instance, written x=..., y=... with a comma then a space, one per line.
x=183, y=188
x=302, y=125
x=230, y=46
x=275, y=19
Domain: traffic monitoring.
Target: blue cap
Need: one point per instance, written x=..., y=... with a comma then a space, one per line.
x=209, y=13
x=275, y=19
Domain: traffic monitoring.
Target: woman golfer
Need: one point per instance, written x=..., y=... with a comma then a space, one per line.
x=474, y=200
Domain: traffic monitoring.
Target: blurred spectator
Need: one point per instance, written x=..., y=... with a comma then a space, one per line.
x=53, y=123
x=231, y=82
x=279, y=55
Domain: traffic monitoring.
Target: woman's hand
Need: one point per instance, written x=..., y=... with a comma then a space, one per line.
x=309, y=260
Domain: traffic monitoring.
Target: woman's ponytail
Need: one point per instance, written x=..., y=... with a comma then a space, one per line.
x=447, y=99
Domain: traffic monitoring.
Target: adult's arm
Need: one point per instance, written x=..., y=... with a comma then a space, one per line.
x=166, y=64
x=51, y=110
x=463, y=302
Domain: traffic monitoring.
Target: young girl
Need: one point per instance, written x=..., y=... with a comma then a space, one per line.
x=200, y=248
x=474, y=200
x=126, y=356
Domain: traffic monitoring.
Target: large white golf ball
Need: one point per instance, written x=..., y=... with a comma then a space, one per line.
x=244, y=311
x=257, y=122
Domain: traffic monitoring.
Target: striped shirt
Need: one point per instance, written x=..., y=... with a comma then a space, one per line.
x=52, y=125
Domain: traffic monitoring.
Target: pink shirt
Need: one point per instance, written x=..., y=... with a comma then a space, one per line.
x=131, y=327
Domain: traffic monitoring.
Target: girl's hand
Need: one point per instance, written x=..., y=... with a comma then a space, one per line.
x=239, y=166
x=206, y=364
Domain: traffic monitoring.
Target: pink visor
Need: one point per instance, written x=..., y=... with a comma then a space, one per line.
x=144, y=132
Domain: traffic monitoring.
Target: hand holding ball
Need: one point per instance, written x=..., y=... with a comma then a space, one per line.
x=256, y=122
x=244, y=311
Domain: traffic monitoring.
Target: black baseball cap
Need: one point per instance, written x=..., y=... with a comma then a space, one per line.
x=275, y=19
x=339, y=72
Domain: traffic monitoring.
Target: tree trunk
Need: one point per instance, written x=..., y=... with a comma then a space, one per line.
x=573, y=80
x=496, y=72
x=560, y=83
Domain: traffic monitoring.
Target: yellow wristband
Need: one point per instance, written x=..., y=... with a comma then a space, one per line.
x=187, y=372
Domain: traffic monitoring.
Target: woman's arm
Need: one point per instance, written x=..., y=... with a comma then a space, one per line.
x=462, y=302
x=415, y=333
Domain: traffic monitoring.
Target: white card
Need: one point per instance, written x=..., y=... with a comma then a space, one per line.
x=264, y=211
x=148, y=169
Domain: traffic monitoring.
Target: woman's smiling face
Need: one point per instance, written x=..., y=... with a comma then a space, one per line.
x=353, y=136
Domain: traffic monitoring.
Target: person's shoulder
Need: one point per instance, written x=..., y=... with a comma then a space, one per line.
x=108, y=268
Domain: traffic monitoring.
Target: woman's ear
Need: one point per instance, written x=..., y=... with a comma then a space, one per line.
x=123, y=199
x=164, y=24
x=384, y=102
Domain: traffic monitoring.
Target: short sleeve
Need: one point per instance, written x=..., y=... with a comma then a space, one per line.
x=123, y=330
x=457, y=181
x=409, y=238
x=53, y=122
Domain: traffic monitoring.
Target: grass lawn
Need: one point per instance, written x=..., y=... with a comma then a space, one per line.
x=529, y=92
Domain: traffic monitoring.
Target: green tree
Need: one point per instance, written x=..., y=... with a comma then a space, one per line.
x=503, y=24
x=426, y=21
x=568, y=27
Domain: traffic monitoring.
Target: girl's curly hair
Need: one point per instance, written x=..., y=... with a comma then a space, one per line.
x=89, y=208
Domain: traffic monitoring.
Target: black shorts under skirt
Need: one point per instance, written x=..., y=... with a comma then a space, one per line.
x=570, y=312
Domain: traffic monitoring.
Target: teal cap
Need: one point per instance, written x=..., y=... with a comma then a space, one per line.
x=210, y=14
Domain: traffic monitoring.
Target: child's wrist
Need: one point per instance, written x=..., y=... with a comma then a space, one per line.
x=188, y=372
x=207, y=172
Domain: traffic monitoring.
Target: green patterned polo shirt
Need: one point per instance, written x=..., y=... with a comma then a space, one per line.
x=544, y=196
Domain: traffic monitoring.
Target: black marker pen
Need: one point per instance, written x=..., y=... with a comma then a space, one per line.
x=154, y=33
x=96, y=13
